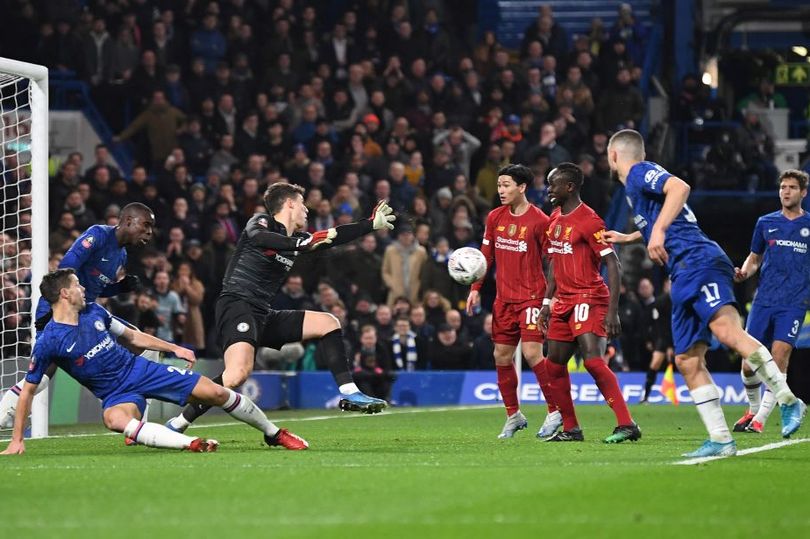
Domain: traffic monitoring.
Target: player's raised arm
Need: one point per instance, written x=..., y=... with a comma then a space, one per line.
x=382, y=216
x=258, y=232
x=676, y=193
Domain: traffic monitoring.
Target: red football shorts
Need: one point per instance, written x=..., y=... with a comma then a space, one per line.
x=512, y=322
x=569, y=321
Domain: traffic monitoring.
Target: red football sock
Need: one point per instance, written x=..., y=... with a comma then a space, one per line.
x=545, y=384
x=560, y=385
x=507, y=383
x=609, y=386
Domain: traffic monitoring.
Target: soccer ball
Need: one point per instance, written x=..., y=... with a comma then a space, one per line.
x=467, y=265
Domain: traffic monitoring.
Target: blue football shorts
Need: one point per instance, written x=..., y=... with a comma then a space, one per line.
x=150, y=380
x=696, y=297
x=768, y=324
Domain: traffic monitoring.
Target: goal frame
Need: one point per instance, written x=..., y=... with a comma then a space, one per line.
x=38, y=104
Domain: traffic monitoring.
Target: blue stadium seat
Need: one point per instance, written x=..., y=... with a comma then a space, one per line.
x=575, y=16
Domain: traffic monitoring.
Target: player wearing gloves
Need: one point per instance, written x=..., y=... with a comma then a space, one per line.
x=264, y=254
x=96, y=256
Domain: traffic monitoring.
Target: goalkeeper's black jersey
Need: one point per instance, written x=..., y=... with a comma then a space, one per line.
x=265, y=253
x=263, y=257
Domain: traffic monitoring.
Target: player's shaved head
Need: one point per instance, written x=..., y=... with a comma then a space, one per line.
x=628, y=142
x=136, y=210
x=53, y=283
x=568, y=173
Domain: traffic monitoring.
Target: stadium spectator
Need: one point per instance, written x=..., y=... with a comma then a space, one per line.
x=407, y=348
x=543, y=29
x=373, y=368
x=361, y=267
x=757, y=149
x=64, y=234
x=208, y=43
x=631, y=32
x=482, y=356
x=191, y=292
x=293, y=296
x=402, y=264
x=161, y=122
x=384, y=323
x=169, y=308
x=447, y=352
x=765, y=97
x=620, y=106
x=145, y=318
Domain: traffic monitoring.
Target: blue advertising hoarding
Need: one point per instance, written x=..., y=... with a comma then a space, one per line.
x=317, y=389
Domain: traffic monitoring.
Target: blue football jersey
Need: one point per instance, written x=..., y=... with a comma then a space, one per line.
x=688, y=247
x=96, y=257
x=88, y=352
x=785, y=275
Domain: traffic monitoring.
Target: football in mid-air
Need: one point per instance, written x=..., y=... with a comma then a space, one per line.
x=467, y=265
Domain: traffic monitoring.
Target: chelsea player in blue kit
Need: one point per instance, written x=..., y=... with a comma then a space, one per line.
x=779, y=246
x=81, y=340
x=702, y=289
x=97, y=256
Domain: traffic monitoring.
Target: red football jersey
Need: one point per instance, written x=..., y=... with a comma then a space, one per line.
x=516, y=243
x=576, y=246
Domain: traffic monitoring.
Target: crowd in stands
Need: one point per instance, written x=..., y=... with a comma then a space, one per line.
x=382, y=100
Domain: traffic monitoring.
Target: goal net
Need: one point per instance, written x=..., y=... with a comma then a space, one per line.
x=24, y=221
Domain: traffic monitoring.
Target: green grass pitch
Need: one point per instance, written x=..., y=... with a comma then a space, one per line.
x=413, y=473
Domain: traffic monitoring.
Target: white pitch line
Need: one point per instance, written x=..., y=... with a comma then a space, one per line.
x=399, y=411
x=743, y=452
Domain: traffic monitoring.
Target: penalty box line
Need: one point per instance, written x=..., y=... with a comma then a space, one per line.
x=743, y=452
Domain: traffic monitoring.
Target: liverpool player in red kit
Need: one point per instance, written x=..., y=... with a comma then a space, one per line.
x=514, y=238
x=585, y=312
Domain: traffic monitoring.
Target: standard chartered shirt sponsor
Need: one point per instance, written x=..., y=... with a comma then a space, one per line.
x=518, y=246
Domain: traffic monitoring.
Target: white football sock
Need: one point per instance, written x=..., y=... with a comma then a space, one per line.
x=242, y=408
x=707, y=401
x=8, y=404
x=180, y=423
x=752, y=386
x=765, y=367
x=156, y=435
x=348, y=389
x=767, y=406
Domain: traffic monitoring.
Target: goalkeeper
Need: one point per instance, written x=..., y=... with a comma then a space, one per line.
x=96, y=256
x=264, y=254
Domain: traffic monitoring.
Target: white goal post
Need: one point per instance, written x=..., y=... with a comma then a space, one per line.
x=24, y=114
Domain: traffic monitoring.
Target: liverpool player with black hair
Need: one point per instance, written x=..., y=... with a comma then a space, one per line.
x=514, y=240
x=264, y=255
x=585, y=310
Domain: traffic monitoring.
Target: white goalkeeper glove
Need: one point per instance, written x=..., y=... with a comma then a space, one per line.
x=382, y=216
